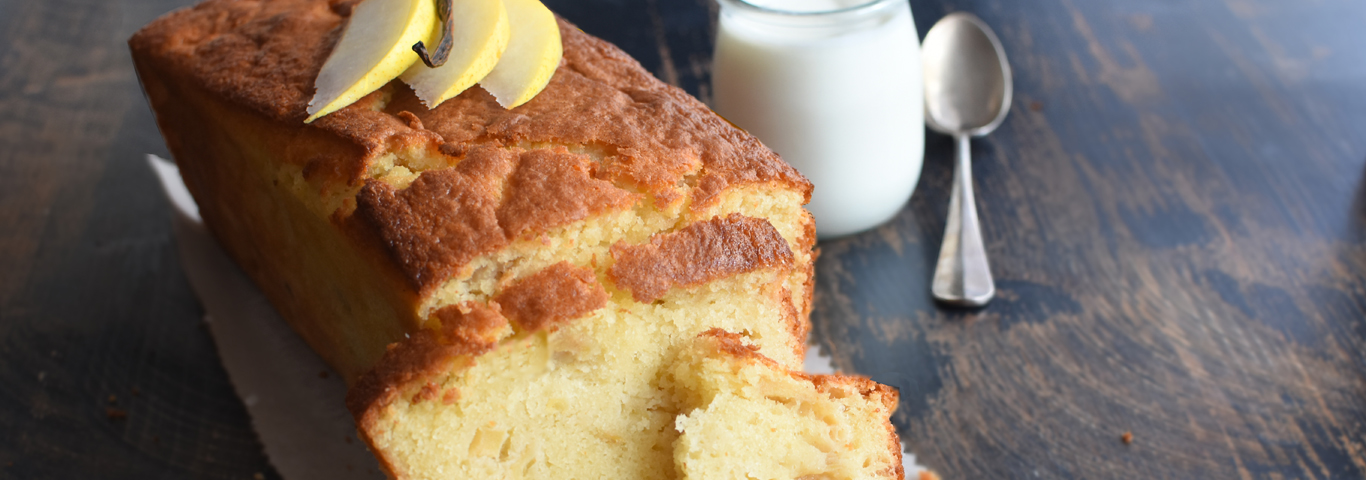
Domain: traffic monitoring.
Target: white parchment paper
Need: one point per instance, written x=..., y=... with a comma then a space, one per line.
x=295, y=401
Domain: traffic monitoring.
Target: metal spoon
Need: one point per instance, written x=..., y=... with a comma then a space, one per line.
x=967, y=94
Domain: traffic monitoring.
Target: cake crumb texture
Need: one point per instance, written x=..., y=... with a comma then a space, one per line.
x=745, y=416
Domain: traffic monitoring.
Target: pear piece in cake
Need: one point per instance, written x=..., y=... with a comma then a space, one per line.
x=481, y=32
x=533, y=54
x=374, y=49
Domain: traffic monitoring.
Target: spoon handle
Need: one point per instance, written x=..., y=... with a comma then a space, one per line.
x=962, y=276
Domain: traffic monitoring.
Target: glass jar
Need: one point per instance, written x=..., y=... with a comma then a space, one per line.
x=834, y=87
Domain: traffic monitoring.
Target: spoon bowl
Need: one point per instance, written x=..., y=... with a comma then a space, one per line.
x=967, y=93
x=967, y=78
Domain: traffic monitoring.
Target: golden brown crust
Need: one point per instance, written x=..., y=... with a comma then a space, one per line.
x=552, y=188
x=492, y=197
x=657, y=138
x=265, y=55
x=697, y=254
x=551, y=297
x=443, y=219
x=466, y=329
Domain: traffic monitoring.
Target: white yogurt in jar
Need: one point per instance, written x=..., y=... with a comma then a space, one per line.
x=834, y=87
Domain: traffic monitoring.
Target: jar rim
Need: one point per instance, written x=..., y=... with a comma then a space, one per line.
x=865, y=6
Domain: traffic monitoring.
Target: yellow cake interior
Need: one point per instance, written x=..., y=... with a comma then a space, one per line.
x=744, y=416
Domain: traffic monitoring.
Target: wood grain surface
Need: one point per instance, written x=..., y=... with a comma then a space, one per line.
x=1175, y=210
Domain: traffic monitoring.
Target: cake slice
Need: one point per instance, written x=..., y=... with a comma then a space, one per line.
x=746, y=416
x=505, y=291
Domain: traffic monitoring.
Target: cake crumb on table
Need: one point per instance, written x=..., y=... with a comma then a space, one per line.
x=928, y=475
x=1127, y=438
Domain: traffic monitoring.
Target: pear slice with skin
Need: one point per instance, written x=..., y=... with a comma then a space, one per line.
x=375, y=47
x=533, y=54
x=481, y=32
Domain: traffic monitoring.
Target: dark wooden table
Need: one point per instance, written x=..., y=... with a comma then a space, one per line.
x=1175, y=209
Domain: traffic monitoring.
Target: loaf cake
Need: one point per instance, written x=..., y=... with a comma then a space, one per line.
x=514, y=293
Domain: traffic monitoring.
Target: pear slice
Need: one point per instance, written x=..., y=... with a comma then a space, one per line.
x=481, y=32
x=375, y=47
x=532, y=55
